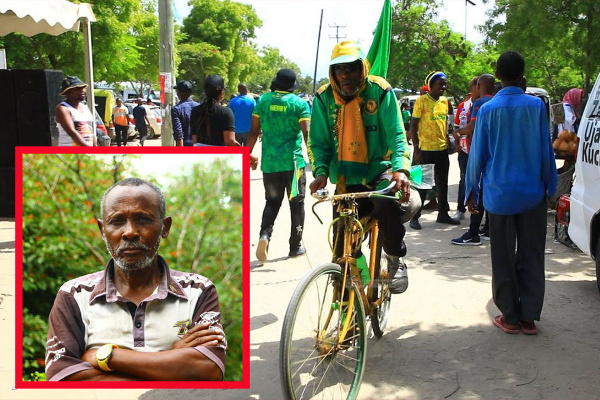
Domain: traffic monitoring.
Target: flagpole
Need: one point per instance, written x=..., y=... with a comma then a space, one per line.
x=317, y=57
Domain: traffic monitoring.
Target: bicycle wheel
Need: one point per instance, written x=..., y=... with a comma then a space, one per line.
x=311, y=362
x=379, y=315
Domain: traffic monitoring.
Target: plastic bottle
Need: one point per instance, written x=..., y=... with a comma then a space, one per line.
x=363, y=268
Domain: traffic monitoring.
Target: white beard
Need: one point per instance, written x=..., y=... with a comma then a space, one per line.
x=140, y=265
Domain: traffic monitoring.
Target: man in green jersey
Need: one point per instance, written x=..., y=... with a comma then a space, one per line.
x=284, y=119
x=357, y=140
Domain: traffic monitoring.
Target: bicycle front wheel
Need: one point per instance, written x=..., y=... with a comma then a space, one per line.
x=381, y=291
x=314, y=362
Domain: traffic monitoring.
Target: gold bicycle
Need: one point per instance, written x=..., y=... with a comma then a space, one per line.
x=324, y=335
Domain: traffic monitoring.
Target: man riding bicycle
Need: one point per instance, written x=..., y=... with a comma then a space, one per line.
x=357, y=139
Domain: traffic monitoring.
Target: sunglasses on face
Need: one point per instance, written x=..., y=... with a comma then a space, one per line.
x=347, y=68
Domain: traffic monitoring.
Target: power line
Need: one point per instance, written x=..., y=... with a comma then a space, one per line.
x=337, y=36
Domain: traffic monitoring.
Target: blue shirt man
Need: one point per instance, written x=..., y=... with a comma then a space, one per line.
x=242, y=106
x=517, y=173
x=512, y=150
x=181, y=114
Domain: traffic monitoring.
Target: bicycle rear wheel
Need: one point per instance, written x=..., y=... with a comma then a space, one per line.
x=379, y=315
x=311, y=362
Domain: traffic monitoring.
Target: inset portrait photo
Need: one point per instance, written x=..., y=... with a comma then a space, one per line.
x=132, y=269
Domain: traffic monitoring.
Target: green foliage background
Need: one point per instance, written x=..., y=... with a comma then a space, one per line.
x=61, y=240
x=558, y=39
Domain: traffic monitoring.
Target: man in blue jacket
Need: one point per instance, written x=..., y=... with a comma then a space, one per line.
x=512, y=149
x=181, y=114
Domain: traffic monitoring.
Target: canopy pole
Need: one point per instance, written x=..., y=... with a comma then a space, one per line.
x=89, y=69
x=166, y=65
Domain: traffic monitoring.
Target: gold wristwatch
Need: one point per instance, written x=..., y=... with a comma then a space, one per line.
x=104, y=354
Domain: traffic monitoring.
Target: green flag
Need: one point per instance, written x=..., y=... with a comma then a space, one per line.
x=295, y=178
x=379, y=53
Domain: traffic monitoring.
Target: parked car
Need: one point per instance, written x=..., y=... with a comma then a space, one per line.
x=409, y=99
x=154, y=116
x=580, y=211
x=105, y=100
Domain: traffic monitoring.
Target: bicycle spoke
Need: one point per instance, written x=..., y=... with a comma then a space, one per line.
x=314, y=363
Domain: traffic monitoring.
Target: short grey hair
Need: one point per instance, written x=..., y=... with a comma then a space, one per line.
x=162, y=207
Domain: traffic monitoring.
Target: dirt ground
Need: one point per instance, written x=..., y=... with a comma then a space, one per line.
x=440, y=342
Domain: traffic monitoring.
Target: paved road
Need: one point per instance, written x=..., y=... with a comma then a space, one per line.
x=440, y=341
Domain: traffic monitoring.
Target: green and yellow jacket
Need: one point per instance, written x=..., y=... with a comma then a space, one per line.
x=386, y=139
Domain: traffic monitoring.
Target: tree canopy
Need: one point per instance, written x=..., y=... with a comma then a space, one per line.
x=119, y=44
x=558, y=39
x=216, y=38
x=562, y=38
x=421, y=44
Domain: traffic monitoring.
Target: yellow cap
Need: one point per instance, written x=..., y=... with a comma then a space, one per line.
x=346, y=52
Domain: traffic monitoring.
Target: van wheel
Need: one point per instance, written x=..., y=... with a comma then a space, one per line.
x=150, y=133
x=598, y=264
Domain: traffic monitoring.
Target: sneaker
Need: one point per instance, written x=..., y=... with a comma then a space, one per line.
x=398, y=271
x=297, y=252
x=467, y=240
x=262, y=250
x=459, y=215
x=415, y=224
x=484, y=235
x=445, y=219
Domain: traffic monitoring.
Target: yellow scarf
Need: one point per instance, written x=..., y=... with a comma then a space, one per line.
x=349, y=128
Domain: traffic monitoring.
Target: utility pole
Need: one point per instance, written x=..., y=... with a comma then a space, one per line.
x=467, y=2
x=337, y=36
x=317, y=57
x=166, y=65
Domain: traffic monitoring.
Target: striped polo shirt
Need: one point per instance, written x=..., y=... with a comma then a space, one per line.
x=89, y=312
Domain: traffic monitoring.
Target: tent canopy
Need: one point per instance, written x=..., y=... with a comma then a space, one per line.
x=42, y=16
x=30, y=17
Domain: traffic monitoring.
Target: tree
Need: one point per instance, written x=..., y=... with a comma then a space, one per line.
x=562, y=40
x=305, y=84
x=145, y=30
x=270, y=61
x=215, y=40
x=124, y=43
x=61, y=240
x=421, y=45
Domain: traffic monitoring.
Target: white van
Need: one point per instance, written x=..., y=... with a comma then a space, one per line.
x=581, y=212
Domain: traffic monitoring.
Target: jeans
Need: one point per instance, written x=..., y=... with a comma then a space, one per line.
x=475, y=220
x=143, y=133
x=242, y=138
x=121, y=134
x=463, y=158
x=276, y=185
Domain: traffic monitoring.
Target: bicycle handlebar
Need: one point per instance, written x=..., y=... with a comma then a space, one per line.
x=322, y=195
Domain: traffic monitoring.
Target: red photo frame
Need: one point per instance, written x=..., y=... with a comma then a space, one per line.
x=244, y=153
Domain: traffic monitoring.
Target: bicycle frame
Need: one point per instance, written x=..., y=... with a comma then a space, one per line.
x=354, y=231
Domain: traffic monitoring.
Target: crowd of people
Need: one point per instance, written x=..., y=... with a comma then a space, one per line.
x=357, y=135
x=358, y=138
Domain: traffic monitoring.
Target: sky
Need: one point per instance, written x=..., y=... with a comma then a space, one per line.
x=178, y=164
x=292, y=26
